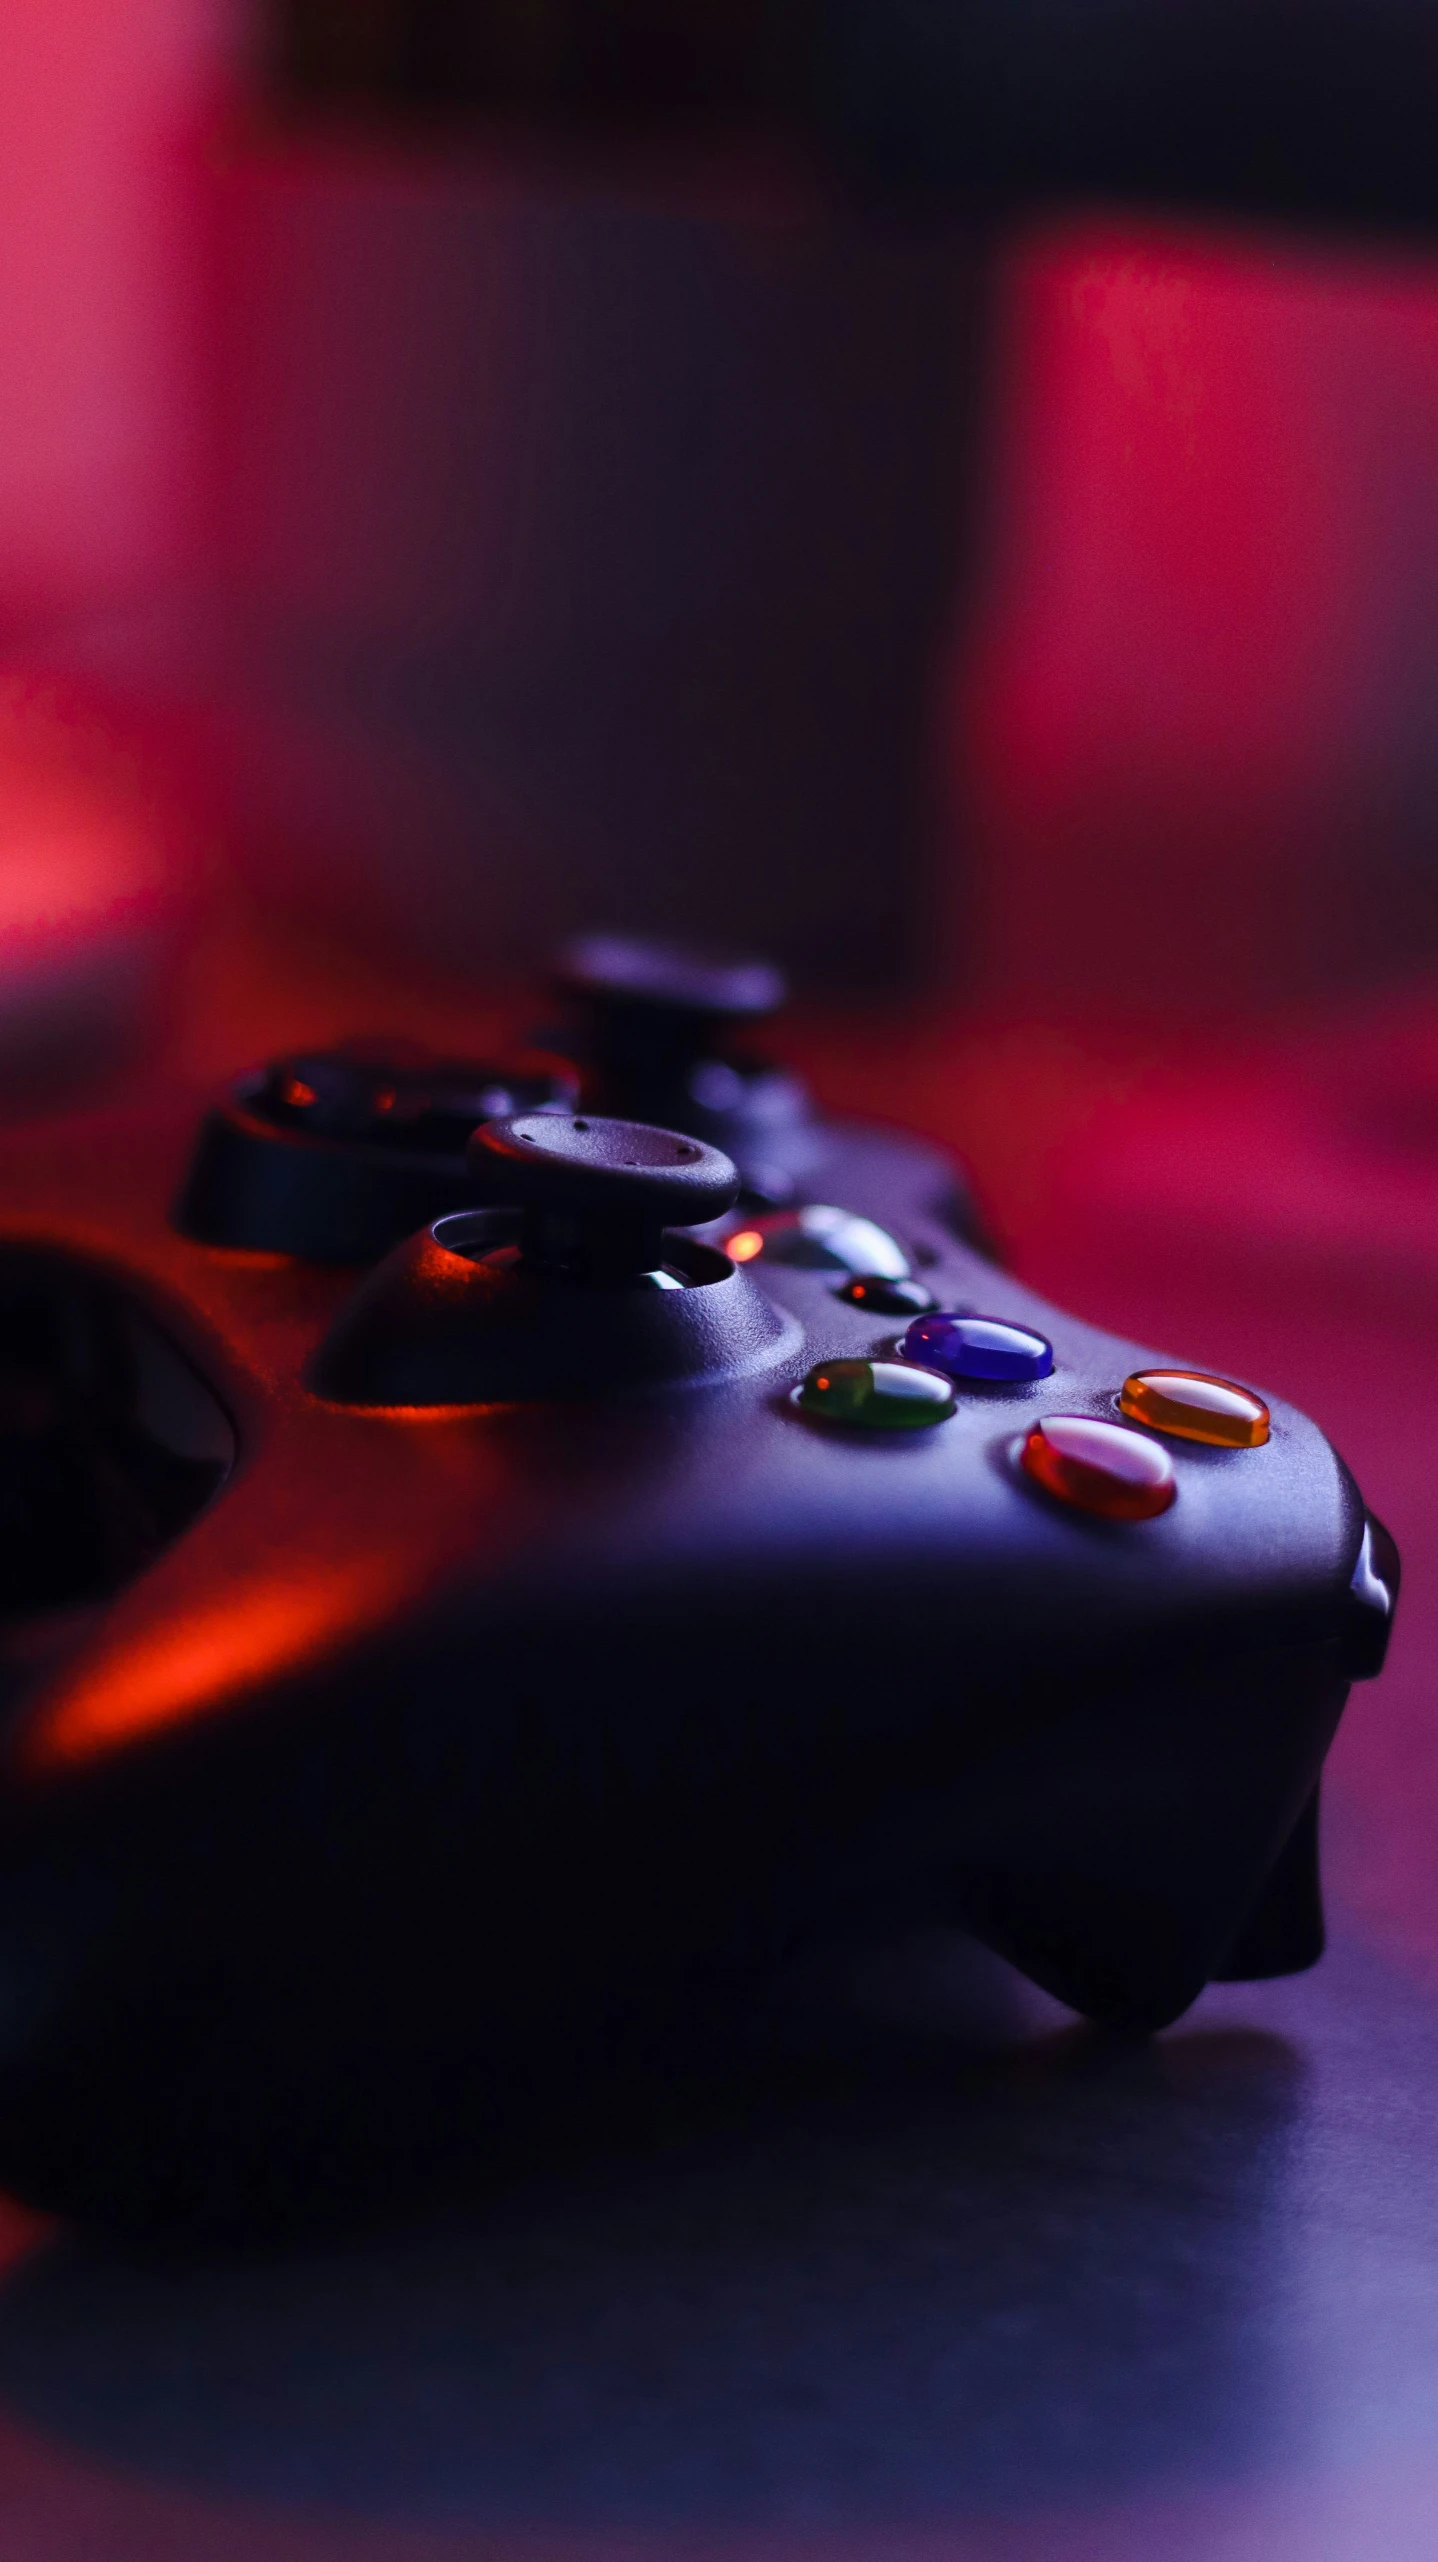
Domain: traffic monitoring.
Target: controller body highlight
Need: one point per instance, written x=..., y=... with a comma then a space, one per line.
x=422, y=1673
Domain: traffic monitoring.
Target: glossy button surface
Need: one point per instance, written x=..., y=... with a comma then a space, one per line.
x=820, y=1238
x=1194, y=1407
x=969, y=1347
x=1099, y=1467
x=880, y=1297
x=875, y=1396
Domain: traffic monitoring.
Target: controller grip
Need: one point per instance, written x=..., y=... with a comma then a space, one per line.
x=1164, y=1837
x=1284, y=1932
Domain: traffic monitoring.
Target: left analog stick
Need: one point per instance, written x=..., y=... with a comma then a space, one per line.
x=596, y=1195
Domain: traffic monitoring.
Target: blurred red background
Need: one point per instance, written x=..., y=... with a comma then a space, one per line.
x=475, y=543
x=1200, y=712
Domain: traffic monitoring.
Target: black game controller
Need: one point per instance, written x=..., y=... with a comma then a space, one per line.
x=680, y=1545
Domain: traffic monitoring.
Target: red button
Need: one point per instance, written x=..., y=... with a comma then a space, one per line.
x=1099, y=1467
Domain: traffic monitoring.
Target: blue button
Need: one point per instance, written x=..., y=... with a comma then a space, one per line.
x=978, y=1348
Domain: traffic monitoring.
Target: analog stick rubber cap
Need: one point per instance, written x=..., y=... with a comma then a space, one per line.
x=598, y=1194
x=594, y=1164
x=620, y=973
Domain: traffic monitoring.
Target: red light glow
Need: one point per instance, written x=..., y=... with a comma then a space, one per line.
x=182, y=1669
x=743, y=1247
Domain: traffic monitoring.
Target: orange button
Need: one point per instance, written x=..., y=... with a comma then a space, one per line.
x=1098, y=1467
x=1196, y=1408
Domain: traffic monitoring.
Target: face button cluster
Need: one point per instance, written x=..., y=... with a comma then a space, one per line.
x=875, y=1396
x=820, y=1238
x=1194, y=1407
x=979, y=1349
x=1083, y=1461
x=1099, y=1467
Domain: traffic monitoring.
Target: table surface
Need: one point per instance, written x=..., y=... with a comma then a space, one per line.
x=933, y=2271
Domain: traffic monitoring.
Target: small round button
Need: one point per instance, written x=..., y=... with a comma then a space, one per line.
x=820, y=1238
x=1194, y=1407
x=875, y=1396
x=880, y=1297
x=1099, y=1467
x=979, y=1348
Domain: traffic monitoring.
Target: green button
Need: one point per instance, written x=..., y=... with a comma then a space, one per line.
x=877, y=1396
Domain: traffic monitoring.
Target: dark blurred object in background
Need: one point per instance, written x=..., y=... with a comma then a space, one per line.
x=504, y=510
x=584, y=544
x=695, y=566
x=1323, y=109
x=705, y=66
